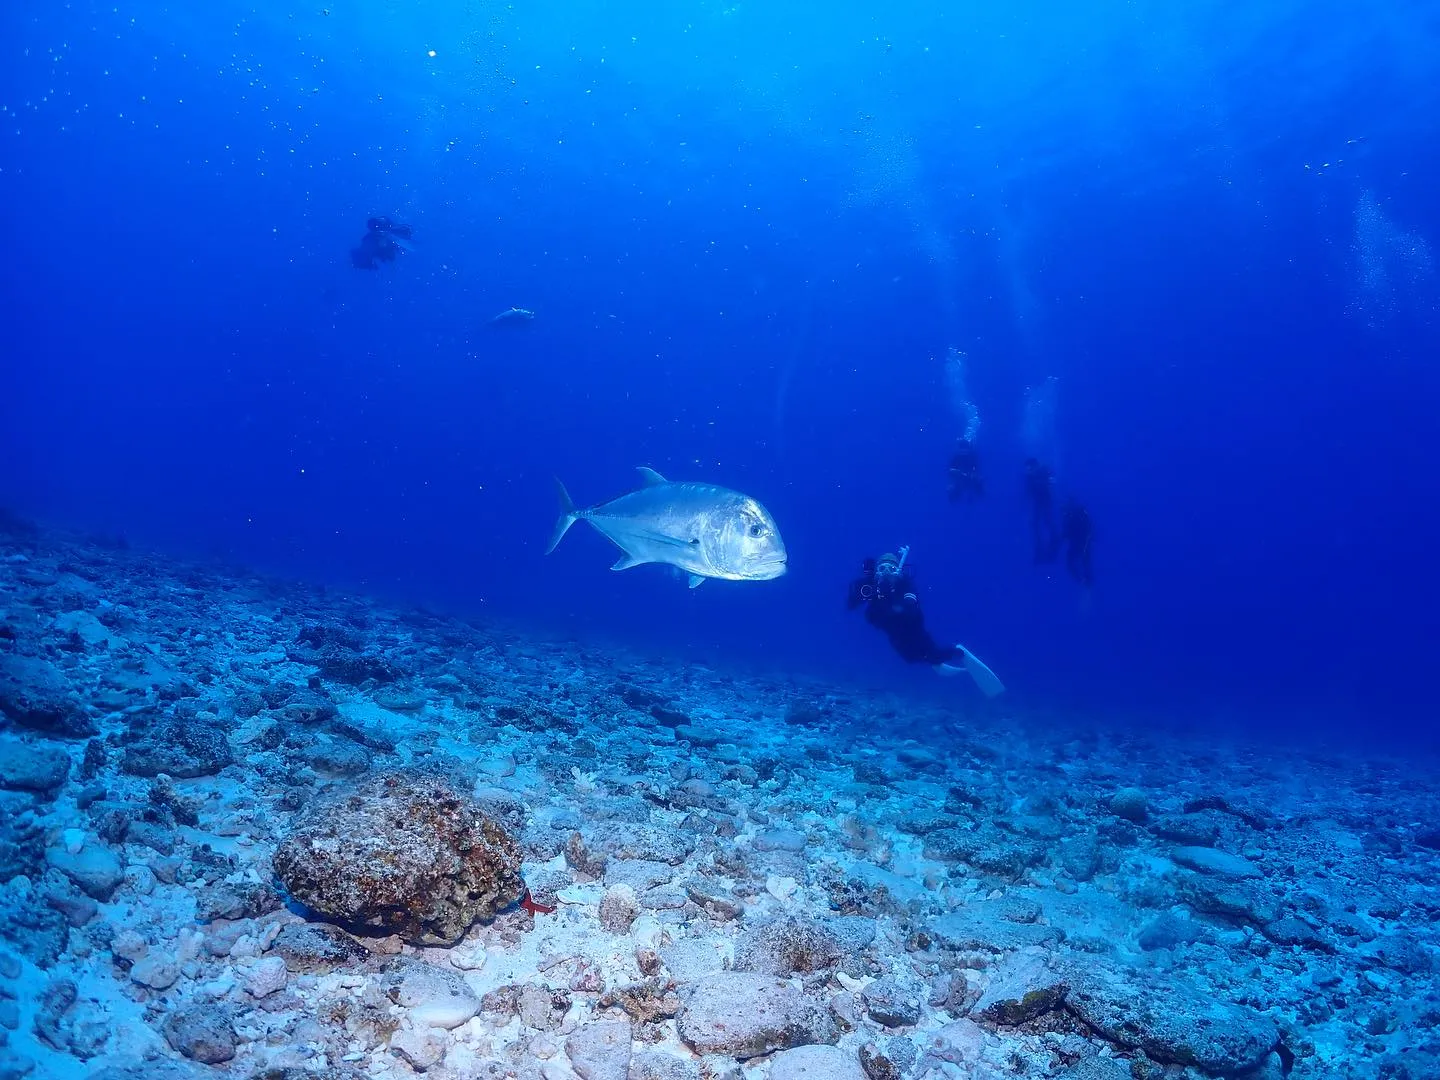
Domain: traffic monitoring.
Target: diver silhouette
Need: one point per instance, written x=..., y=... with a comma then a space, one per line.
x=965, y=479
x=892, y=605
x=383, y=242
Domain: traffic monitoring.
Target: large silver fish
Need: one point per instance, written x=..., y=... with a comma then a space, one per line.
x=707, y=531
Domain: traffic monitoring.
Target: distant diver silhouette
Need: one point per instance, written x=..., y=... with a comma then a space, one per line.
x=383, y=242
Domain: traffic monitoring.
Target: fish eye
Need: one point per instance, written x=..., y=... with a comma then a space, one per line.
x=757, y=530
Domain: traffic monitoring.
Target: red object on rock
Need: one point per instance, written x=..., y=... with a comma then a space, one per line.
x=528, y=903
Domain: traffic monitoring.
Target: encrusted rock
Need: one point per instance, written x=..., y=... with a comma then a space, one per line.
x=94, y=868
x=1131, y=804
x=780, y=840
x=35, y=694
x=1214, y=861
x=1168, y=931
x=339, y=664
x=891, y=1002
x=973, y=929
x=317, y=948
x=23, y=767
x=202, y=1033
x=601, y=1051
x=242, y=900
x=156, y=972
x=815, y=1063
x=540, y=1007
x=402, y=854
x=1171, y=1022
x=659, y=1065
x=37, y=931
x=887, y=1059
x=787, y=946
x=579, y=855
x=646, y=1001
x=181, y=748
x=421, y=1049
x=744, y=1014
x=432, y=996
x=266, y=977
x=1021, y=988
x=1293, y=931
x=619, y=907
x=630, y=840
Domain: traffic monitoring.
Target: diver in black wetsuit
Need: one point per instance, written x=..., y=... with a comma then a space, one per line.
x=1040, y=491
x=1078, y=533
x=383, y=241
x=965, y=481
x=892, y=605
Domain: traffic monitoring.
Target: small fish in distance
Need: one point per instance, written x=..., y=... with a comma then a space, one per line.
x=513, y=316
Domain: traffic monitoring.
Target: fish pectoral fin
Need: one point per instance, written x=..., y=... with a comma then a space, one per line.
x=626, y=561
x=649, y=477
x=696, y=581
x=663, y=539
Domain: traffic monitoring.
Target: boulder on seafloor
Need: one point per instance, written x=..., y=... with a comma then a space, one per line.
x=1214, y=861
x=317, y=948
x=432, y=996
x=892, y=1001
x=744, y=1015
x=35, y=694
x=788, y=946
x=41, y=769
x=816, y=1063
x=601, y=1050
x=1022, y=987
x=202, y=1032
x=94, y=868
x=1173, y=1023
x=402, y=854
x=182, y=747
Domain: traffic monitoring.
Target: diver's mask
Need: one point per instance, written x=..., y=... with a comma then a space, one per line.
x=887, y=573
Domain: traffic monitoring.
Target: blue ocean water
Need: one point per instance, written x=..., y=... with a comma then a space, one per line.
x=1189, y=253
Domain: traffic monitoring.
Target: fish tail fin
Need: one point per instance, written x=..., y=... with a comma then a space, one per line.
x=568, y=517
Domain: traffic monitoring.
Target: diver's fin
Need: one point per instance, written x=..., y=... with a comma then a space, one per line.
x=696, y=581
x=626, y=561
x=568, y=517
x=649, y=477
x=989, y=684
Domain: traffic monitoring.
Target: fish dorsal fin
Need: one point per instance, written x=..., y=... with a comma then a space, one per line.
x=696, y=581
x=649, y=477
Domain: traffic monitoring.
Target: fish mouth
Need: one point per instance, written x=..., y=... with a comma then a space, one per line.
x=766, y=569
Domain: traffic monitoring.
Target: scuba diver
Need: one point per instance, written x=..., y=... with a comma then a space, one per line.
x=1040, y=491
x=891, y=605
x=965, y=481
x=383, y=241
x=1078, y=532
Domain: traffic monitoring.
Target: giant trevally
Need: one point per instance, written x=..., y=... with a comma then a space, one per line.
x=706, y=531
